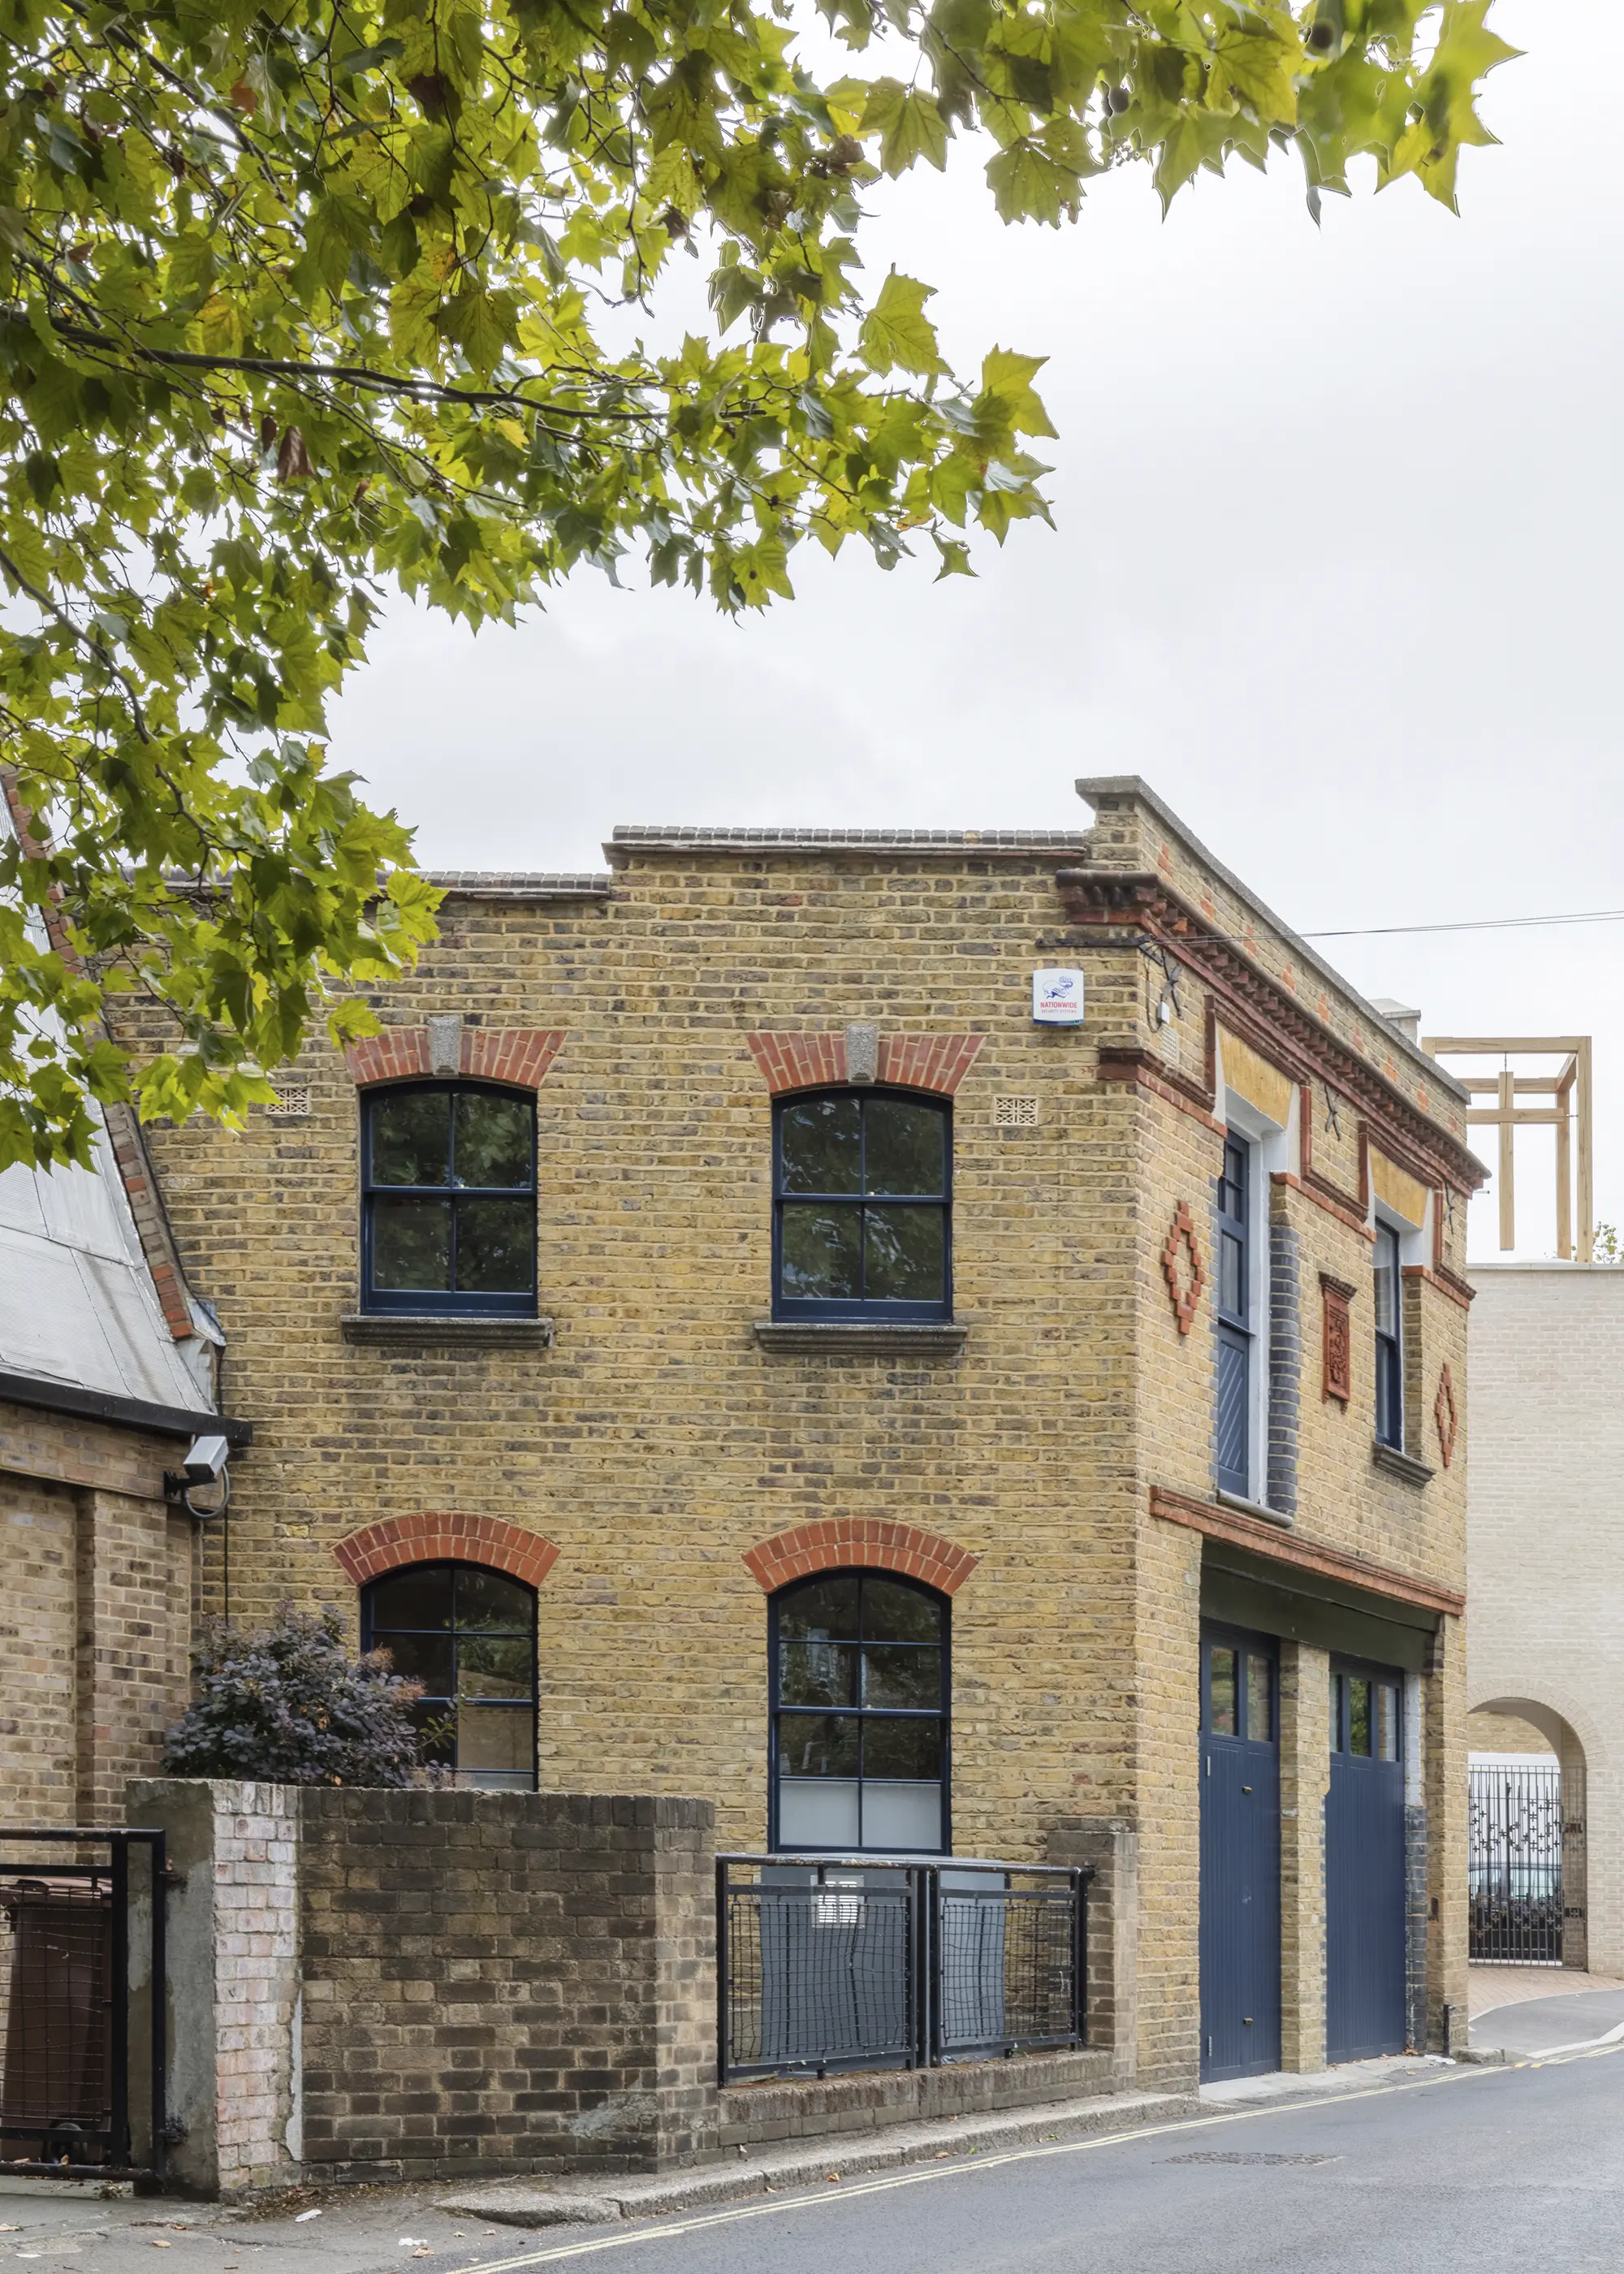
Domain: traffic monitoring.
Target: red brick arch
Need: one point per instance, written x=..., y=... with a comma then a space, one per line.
x=932, y=1062
x=519, y=1055
x=839, y=1542
x=439, y=1537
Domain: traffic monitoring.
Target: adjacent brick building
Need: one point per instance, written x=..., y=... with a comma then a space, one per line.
x=843, y=1311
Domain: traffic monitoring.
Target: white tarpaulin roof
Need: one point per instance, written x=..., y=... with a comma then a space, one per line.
x=76, y=1303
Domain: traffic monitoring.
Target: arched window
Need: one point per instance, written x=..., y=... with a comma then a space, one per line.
x=858, y=1666
x=862, y=1193
x=469, y=1636
x=448, y=1199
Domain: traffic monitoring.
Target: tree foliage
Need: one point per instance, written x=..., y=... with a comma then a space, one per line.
x=288, y=1705
x=303, y=300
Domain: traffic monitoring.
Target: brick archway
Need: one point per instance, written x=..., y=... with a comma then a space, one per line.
x=845, y=1542
x=443, y=1538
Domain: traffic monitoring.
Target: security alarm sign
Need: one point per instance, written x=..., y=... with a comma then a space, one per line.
x=1057, y=999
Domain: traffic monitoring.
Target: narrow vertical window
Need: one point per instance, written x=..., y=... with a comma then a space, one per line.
x=1389, y=1342
x=1234, y=1319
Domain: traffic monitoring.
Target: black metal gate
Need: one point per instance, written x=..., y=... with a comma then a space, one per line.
x=1515, y=1863
x=82, y=2054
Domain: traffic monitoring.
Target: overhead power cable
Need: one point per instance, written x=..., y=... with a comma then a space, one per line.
x=1478, y=923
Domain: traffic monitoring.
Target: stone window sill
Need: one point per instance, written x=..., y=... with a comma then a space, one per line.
x=1401, y=1465
x=1244, y=1507
x=923, y=1338
x=407, y=1331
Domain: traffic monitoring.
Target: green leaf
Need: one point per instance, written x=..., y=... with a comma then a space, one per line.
x=897, y=334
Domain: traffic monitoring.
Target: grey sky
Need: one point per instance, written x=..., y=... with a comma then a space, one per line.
x=1336, y=568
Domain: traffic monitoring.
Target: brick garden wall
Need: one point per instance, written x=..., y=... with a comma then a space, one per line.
x=498, y=1982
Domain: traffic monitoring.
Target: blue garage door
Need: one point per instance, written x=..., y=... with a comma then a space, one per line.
x=1240, y=1856
x=1364, y=1866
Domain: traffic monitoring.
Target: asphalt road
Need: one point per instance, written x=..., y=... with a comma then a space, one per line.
x=1548, y=2025
x=1484, y=2169
x=1468, y=2171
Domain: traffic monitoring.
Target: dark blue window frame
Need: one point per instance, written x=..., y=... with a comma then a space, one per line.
x=863, y=1715
x=1390, y=1339
x=803, y=1306
x=453, y=1301
x=438, y=1713
x=1233, y=1427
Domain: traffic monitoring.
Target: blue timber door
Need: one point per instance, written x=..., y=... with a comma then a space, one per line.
x=1240, y=1856
x=1364, y=1941
x=1233, y=1432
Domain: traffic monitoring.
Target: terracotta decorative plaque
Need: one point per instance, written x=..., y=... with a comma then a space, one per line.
x=1185, y=1292
x=1337, y=1339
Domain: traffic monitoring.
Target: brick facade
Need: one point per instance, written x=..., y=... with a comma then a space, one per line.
x=669, y=1456
x=95, y=1626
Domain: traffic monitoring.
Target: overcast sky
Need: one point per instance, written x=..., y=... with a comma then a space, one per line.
x=1335, y=568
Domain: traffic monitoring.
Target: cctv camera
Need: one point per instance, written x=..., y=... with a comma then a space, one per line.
x=205, y=1460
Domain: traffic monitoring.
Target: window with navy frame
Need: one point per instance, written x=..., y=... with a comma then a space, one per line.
x=467, y=1634
x=862, y=1202
x=859, y=1669
x=448, y=1199
x=1389, y=1340
x=1233, y=1431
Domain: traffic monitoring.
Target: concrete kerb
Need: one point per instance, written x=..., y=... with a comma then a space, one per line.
x=511, y=2203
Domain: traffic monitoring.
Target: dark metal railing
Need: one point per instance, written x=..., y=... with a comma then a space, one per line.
x=82, y=2050
x=827, y=1962
x=1513, y=1847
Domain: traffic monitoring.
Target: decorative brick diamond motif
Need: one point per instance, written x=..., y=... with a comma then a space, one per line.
x=1445, y=1413
x=1186, y=1293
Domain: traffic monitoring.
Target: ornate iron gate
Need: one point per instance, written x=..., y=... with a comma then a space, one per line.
x=1514, y=1861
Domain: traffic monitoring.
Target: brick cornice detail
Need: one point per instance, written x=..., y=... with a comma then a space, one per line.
x=1302, y=1554
x=518, y=1055
x=1275, y=1020
x=442, y=1537
x=938, y=1063
x=842, y=1543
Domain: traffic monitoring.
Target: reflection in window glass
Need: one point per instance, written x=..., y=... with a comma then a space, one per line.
x=1259, y=1699
x=872, y=1776
x=1359, y=1715
x=1222, y=1718
x=448, y=1200
x=860, y=1206
x=469, y=1636
x=1386, y=1722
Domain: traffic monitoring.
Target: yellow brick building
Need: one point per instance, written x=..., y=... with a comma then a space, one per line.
x=834, y=1259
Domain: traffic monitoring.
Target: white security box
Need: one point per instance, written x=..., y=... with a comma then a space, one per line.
x=1057, y=997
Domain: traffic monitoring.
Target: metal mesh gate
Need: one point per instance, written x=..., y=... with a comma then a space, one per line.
x=82, y=2027
x=1514, y=1861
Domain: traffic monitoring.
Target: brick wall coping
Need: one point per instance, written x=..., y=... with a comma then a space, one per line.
x=521, y=884
x=1304, y=1555
x=839, y=1543
x=519, y=1055
x=938, y=1063
x=444, y=1537
x=634, y=839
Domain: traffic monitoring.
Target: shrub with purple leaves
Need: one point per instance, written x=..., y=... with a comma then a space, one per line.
x=288, y=1705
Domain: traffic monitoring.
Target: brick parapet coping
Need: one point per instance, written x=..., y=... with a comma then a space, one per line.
x=839, y=1543
x=442, y=1537
x=932, y=1062
x=520, y=1055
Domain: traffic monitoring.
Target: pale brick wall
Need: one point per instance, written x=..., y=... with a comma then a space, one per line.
x=38, y=1641
x=1547, y=1536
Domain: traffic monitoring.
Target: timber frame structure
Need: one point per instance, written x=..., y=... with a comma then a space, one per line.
x=1561, y=1099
